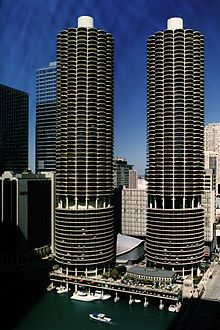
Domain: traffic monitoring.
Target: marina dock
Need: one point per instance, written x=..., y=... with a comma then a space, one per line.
x=116, y=288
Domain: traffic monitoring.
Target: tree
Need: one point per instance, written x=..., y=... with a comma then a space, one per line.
x=114, y=273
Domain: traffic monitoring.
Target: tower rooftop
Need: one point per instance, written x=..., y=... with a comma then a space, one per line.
x=175, y=23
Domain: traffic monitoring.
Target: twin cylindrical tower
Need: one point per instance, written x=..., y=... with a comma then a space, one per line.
x=175, y=93
x=84, y=228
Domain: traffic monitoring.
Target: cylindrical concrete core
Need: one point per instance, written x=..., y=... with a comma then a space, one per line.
x=85, y=21
x=175, y=23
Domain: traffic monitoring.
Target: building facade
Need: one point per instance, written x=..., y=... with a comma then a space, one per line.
x=175, y=95
x=212, y=151
x=124, y=174
x=46, y=118
x=209, y=204
x=13, y=130
x=84, y=226
x=133, y=210
x=211, y=163
x=26, y=215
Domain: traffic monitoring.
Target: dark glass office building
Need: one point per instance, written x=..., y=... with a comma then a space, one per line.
x=46, y=118
x=26, y=216
x=13, y=130
x=84, y=224
x=175, y=218
x=121, y=172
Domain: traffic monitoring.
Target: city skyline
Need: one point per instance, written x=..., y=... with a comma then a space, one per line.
x=28, y=42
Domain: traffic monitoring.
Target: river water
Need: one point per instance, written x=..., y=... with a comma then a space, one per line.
x=58, y=312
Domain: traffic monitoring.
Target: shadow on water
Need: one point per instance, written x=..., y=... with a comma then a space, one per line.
x=197, y=314
x=23, y=278
x=20, y=289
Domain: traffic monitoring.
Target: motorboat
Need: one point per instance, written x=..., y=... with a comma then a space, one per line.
x=137, y=301
x=99, y=294
x=161, y=305
x=62, y=289
x=100, y=317
x=172, y=308
x=50, y=287
x=178, y=307
x=83, y=296
x=116, y=299
x=146, y=303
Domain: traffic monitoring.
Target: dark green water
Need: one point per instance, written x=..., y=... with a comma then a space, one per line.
x=59, y=312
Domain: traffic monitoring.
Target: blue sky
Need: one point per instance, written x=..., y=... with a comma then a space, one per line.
x=28, y=41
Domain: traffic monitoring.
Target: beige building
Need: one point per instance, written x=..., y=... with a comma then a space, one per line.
x=212, y=150
x=134, y=206
x=209, y=204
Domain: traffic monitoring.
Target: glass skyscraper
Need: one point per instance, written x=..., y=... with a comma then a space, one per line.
x=13, y=130
x=84, y=225
x=175, y=218
x=46, y=118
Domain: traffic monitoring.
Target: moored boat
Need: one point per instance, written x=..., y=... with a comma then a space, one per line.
x=178, y=307
x=50, y=287
x=62, y=289
x=172, y=308
x=161, y=305
x=83, y=296
x=100, y=295
x=100, y=317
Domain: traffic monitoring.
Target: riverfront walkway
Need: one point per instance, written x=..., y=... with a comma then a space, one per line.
x=212, y=285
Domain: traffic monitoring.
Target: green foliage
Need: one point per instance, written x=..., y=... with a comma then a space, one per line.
x=121, y=269
x=114, y=274
x=106, y=275
x=196, y=279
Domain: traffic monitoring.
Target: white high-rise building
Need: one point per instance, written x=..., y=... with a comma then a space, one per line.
x=175, y=95
x=84, y=225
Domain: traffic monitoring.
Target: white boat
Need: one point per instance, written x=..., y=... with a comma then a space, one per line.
x=50, y=287
x=100, y=317
x=146, y=303
x=137, y=301
x=178, y=307
x=62, y=289
x=172, y=308
x=99, y=294
x=116, y=299
x=161, y=305
x=83, y=296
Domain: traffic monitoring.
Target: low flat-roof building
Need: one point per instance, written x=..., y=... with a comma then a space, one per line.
x=152, y=274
